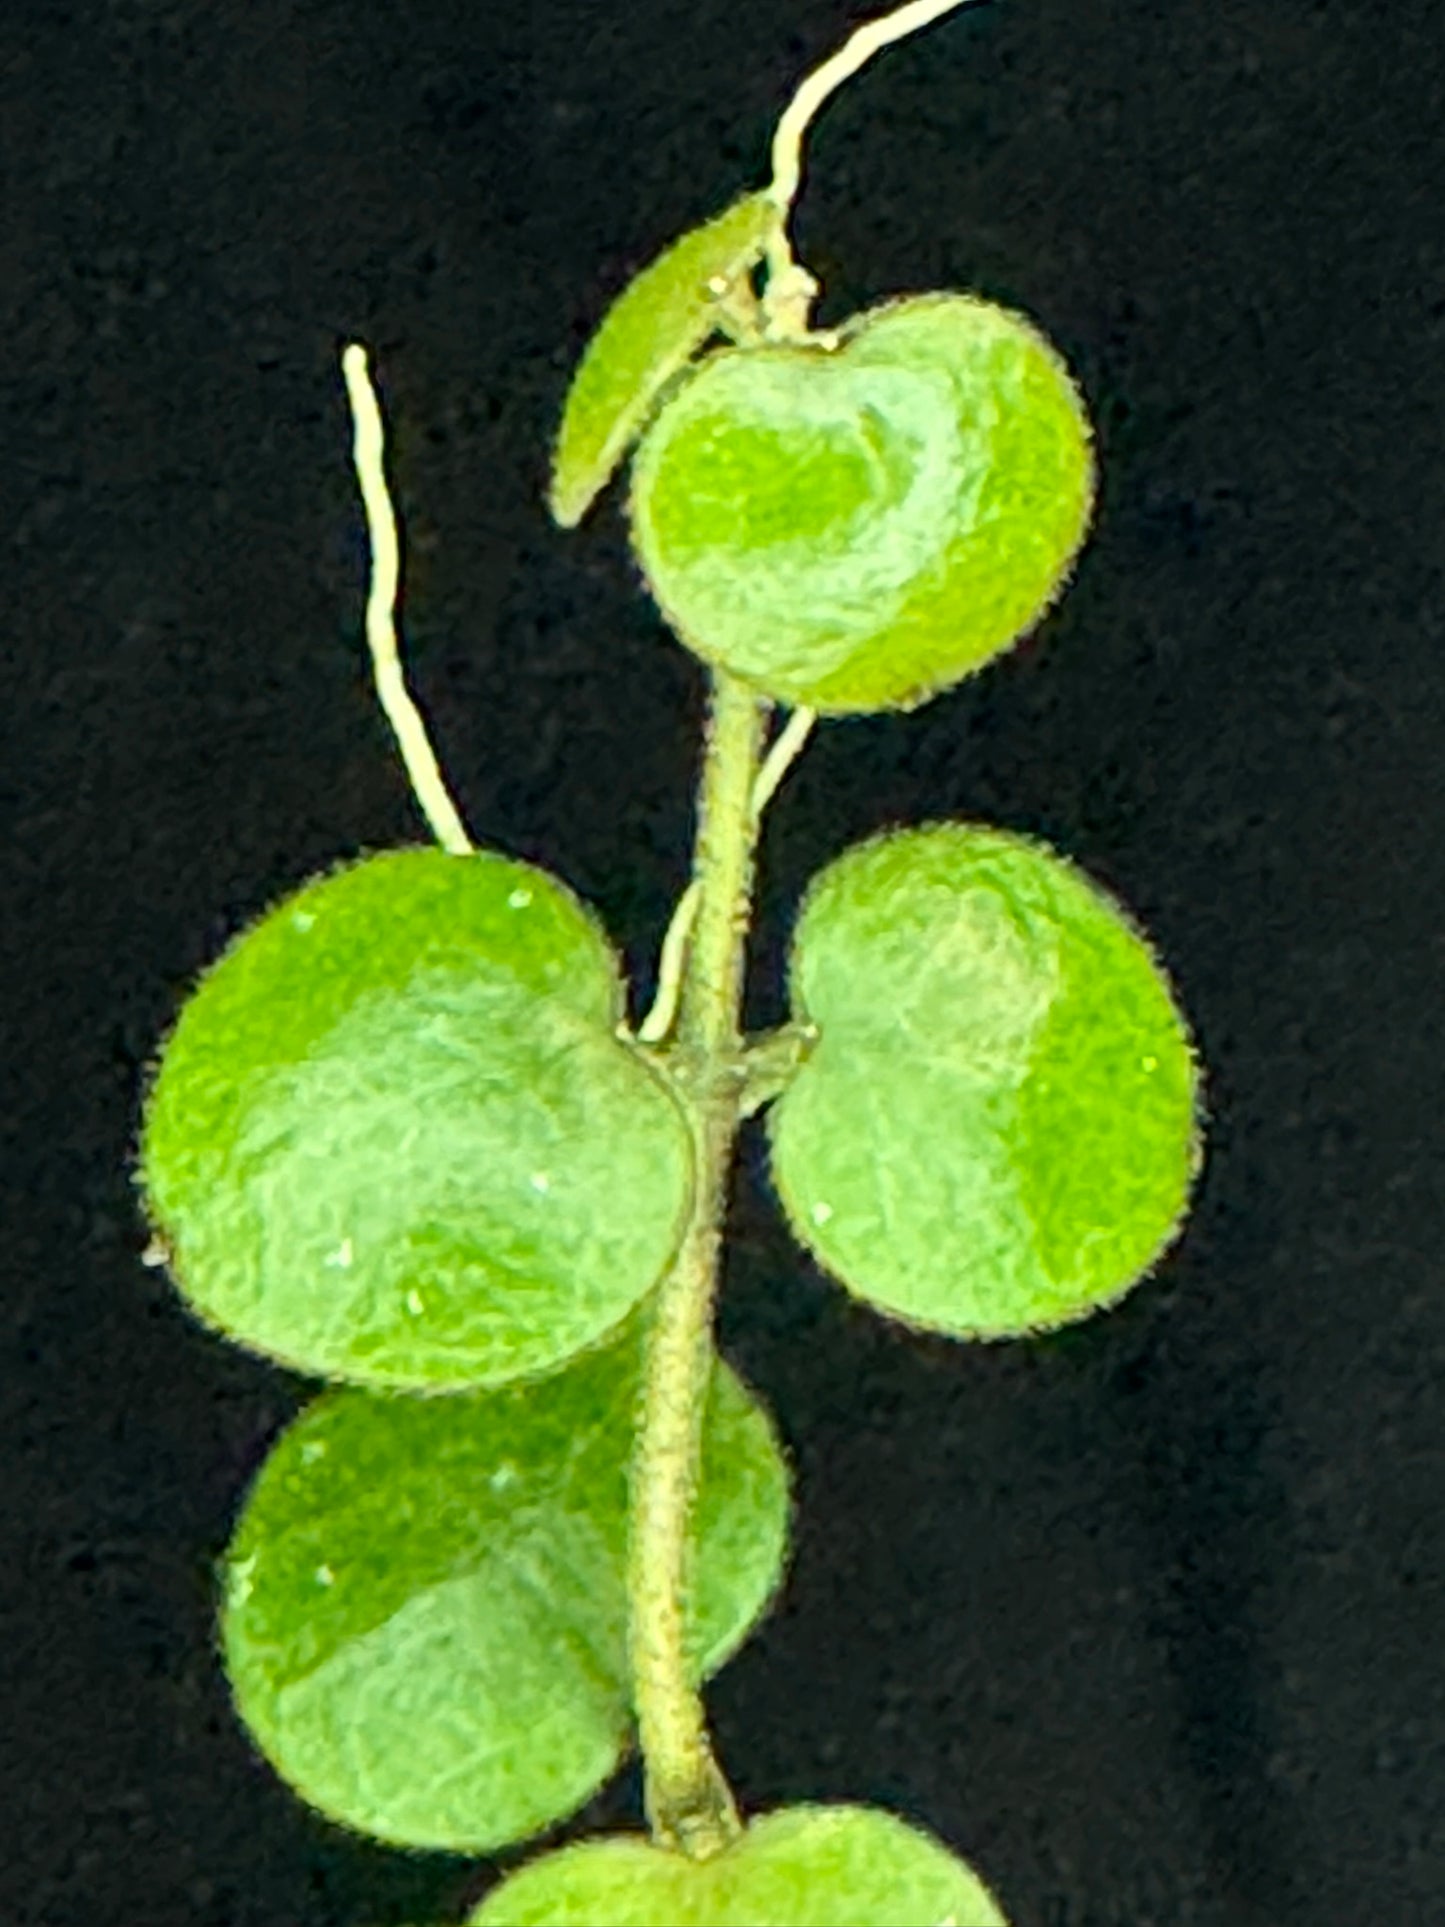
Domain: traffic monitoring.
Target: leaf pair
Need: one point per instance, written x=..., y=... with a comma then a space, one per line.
x=850, y=523
x=396, y=1139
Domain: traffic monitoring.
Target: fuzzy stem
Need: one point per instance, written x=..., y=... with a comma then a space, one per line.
x=781, y=752
x=689, y=1805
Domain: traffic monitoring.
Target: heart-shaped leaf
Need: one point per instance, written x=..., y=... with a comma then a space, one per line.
x=425, y=1608
x=805, y=1866
x=998, y=1127
x=661, y=318
x=394, y=1138
x=858, y=528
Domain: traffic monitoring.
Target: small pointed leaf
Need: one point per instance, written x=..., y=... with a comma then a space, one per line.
x=658, y=322
x=393, y=1138
x=803, y=1866
x=859, y=527
x=425, y=1608
x=998, y=1128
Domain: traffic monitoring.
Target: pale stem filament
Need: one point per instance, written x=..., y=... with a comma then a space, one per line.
x=416, y=750
x=790, y=288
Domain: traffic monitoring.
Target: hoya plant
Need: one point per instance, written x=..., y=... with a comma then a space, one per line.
x=401, y=1136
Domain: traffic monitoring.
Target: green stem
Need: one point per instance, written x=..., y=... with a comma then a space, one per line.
x=689, y=1804
x=771, y=1062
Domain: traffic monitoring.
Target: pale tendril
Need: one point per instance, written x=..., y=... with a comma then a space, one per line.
x=790, y=287
x=421, y=763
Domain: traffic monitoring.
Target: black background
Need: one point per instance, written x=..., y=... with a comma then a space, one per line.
x=1143, y=1619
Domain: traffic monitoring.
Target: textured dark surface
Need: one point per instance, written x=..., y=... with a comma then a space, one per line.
x=1144, y=1619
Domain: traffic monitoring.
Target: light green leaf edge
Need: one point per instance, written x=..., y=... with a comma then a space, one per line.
x=825, y=1110
x=566, y=1751
x=653, y=328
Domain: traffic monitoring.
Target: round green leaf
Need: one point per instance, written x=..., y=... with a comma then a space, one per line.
x=998, y=1128
x=859, y=528
x=805, y=1866
x=425, y=1599
x=394, y=1138
x=661, y=318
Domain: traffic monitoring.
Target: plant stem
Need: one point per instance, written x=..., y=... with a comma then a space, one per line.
x=658, y=1022
x=689, y=1804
